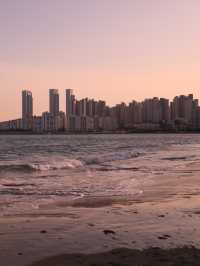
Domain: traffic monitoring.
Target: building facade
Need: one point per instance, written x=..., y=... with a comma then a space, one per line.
x=54, y=102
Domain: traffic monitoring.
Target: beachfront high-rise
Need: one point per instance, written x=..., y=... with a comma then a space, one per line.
x=27, y=104
x=53, y=102
x=70, y=102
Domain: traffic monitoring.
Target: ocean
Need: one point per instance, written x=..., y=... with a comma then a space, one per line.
x=43, y=173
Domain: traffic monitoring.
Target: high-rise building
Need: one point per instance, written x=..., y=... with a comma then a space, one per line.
x=89, y=108
x=70, y=102
x=47, y=122
x=27, y=104
x=165, y=110
x=151, y=111
x=182, y=107
x=83, y=107
x=134, y=113
x=54, y=102
x=101, y=108
x=120, y=114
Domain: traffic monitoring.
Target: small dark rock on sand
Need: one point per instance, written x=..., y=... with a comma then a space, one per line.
x=107, y=232
x=164, y=237
x=43, y=232
x=90, y=224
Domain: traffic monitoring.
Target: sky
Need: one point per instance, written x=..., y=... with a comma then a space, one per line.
x=115, y=50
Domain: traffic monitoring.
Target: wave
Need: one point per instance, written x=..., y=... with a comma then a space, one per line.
x=31, y=167
x=101, y=159
x=60, y=164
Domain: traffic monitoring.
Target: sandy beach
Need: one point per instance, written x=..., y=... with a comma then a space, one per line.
x=134, y=205
x=111, y=235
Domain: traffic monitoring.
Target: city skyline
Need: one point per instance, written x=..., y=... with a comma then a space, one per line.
x=115, y=49
x=56, y=96
x=91, y=115
x=60, y=101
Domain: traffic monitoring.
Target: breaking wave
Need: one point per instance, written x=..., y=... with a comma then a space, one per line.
x=31, y=167
x=100, y=159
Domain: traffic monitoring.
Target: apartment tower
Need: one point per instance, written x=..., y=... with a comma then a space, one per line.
x=54, y=102
x=27, y=104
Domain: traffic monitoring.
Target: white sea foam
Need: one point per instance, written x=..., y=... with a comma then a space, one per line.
x=52, y=165
x=56, y=165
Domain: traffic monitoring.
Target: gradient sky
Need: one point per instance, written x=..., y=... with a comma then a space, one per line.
x=116, y=50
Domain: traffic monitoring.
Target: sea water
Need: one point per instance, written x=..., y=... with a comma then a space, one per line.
x=95, y=170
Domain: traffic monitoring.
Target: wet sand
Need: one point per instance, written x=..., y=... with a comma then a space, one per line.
x=114, y=234
x=127, y=257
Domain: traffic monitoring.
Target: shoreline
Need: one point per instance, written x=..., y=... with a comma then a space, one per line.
x=3, y=133
x=40, y=238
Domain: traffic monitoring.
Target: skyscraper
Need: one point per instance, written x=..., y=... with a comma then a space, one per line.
x=70, y=102
x=151, y=110
x=165, y=110
x=83, y=107
x=54, y=102
x=181, y=108
x=27, y=104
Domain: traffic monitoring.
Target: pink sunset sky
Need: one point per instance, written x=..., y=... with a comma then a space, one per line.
x=115, y=50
